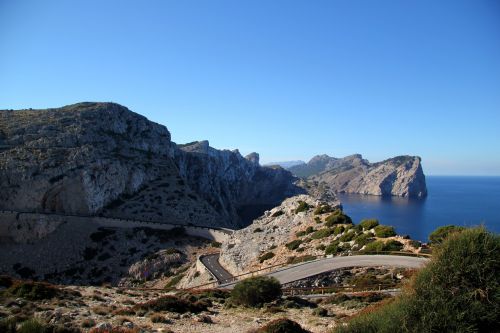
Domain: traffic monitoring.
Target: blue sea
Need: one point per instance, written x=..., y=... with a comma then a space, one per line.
x=465, y=201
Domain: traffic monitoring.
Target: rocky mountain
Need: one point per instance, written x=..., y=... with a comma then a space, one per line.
x=103, y=159
x=224, y=177
x=398, y=176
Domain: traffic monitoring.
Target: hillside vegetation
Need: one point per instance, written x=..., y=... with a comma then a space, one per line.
x=458, y=291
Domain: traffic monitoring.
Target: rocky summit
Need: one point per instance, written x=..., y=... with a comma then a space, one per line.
x=103, y=159
x=399, y=176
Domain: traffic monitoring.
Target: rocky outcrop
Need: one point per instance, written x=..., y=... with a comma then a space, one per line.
x=237, y=187
x=103, y=159
x=241, y=251
x=398, y=176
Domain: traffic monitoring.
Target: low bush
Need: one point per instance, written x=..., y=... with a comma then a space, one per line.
x=333, y=248
x=338, y=230
x=294, y=302
x=337, y=218
x=217, y=244
x=441, y=233
x=33, y=291
x=380, y=246
x=322, y=209
x=393, y=245
x=172, y=304
x=255, y=291
x=384, y=231
x=293, y=244
x=320, y=312
x=317, y=220
x=257, y=230
x=363, y=239
x=266, y=256
x=282, y=325
x=457, y=291
x=322, y=233
x=303, y=206
x=368, y=224
x=300, y=233
x=347, y=236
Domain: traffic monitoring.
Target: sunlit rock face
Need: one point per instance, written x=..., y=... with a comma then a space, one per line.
x=398, y=176
x=101, y=158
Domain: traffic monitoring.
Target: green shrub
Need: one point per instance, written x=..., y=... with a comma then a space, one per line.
x=277, y=213
x=322, y=233
x=333, y=248
x=368, y=224
x=363, y=239
x=320, y=312
x=216, y=244
x=293, y=244
x=337, y=218
x=255, y=291
x=377, y=246
x=172, y=304
x=303, y=206
x=457, y=291
x=300, y=233
x=338, y=230
x=266, y=256
x=309, y=230
x=393, y=245
x=317, y=220
x=380, y=246
x=282, y=325
x=347, y=236
x=33, y=290
x=322, y=209
x=321, y=247
x=384, y=231
x=257, y=230
x=441, y=233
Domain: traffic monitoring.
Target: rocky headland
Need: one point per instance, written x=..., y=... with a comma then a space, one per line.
x=399, y=176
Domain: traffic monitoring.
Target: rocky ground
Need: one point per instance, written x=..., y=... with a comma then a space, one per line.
x=85, y=308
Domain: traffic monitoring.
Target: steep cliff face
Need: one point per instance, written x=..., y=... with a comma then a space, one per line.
x=236, y=186
x=101, y=158
x=78, y=158
x=398, y=176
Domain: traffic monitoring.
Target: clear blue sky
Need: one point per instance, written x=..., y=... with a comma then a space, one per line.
x=288, y=79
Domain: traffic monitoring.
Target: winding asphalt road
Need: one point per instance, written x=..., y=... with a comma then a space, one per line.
x=211, y=262
x=311, y=268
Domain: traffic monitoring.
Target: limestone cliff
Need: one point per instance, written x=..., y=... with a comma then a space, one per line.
x=398, y=176
x=101, y=158
x=237, y=187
